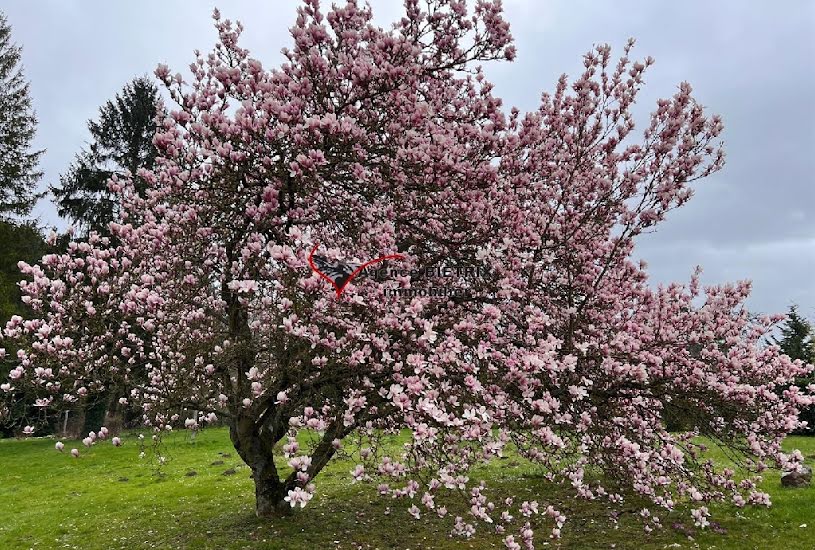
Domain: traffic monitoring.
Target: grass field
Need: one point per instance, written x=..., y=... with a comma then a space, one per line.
x=109, y=498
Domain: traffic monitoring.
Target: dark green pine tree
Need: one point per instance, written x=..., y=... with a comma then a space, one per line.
x=798, y=341
x=122, y=141
x=18, y=163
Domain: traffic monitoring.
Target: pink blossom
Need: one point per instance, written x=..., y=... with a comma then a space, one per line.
x=243, y=286
x=358, y=473
x=298, y=496
x=700, y=516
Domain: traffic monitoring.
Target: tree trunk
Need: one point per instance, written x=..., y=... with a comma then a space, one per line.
x=256, y=447
x=253, y=438
x=114, y=415
x=270, y=497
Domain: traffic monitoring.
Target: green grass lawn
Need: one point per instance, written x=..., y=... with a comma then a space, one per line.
x=109, y=498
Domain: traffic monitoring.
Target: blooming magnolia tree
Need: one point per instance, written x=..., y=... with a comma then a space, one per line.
x=369, y=142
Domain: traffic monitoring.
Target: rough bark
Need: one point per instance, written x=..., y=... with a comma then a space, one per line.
x=270, y=496
x=256, y=447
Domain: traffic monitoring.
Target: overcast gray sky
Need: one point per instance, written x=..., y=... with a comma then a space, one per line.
x=752, y=62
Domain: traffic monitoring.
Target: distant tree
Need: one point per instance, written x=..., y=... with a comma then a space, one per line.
x=798, y=342
x=122, y=143
x=18, y=241
x=18, y=162
x=797, y=338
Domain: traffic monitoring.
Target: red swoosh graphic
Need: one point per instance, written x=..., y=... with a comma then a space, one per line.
x=356, y=272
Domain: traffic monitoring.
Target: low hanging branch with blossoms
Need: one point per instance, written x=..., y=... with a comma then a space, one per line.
x=379, y=143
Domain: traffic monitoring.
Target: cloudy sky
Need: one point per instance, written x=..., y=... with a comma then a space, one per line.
x=752, y=62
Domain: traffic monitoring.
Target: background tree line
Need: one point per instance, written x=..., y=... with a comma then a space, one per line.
x=121, y=142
